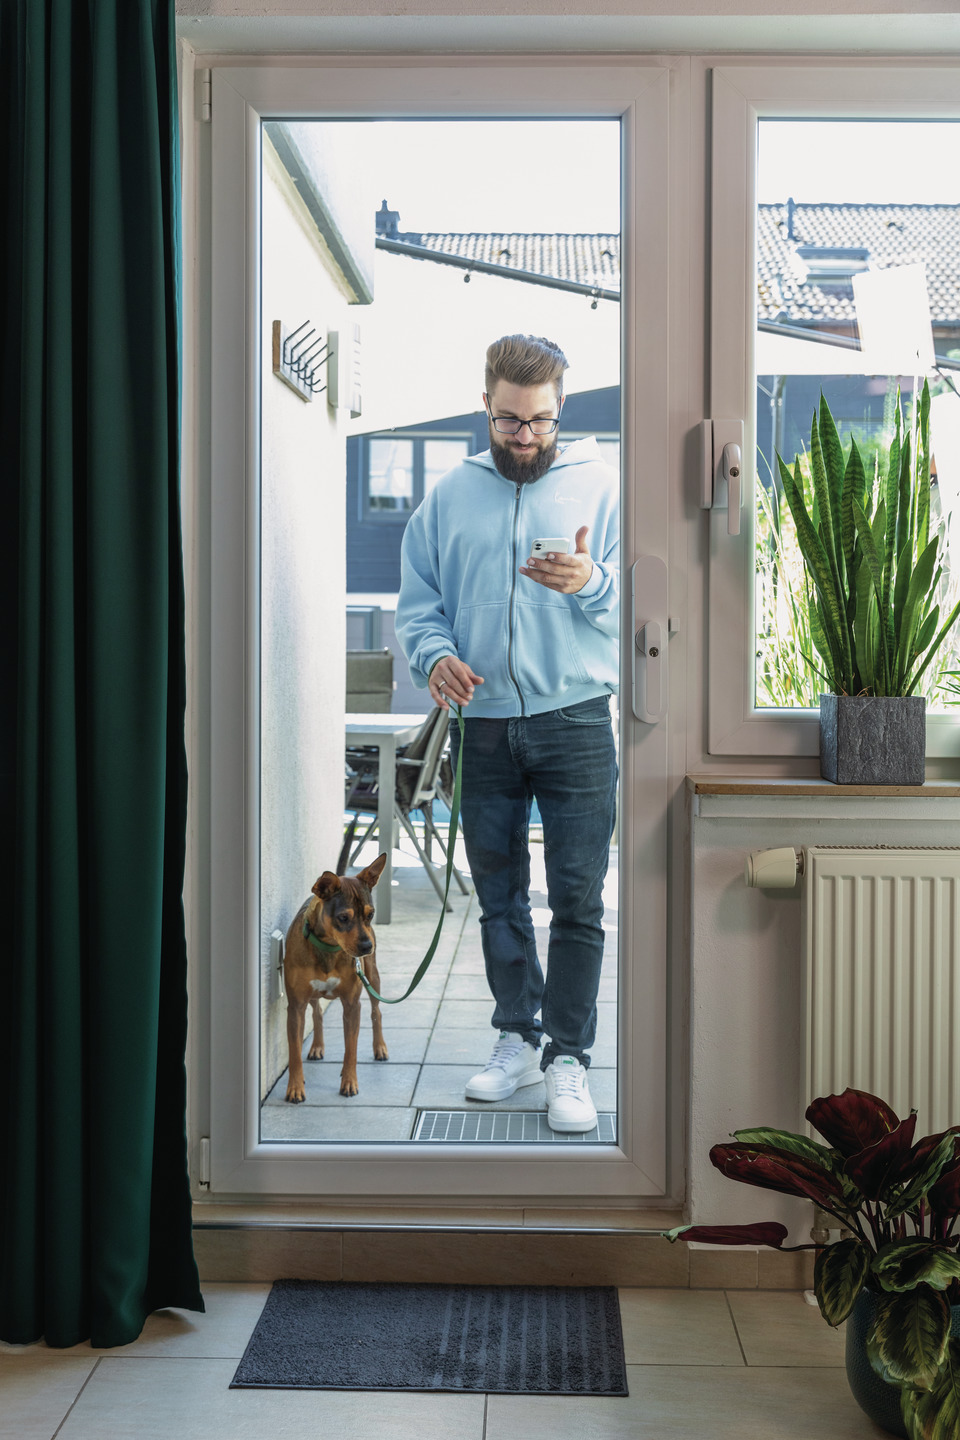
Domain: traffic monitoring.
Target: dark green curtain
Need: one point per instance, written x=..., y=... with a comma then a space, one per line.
x=95, y=1228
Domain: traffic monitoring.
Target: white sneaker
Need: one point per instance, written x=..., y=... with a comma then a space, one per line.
x=514, y=1062
x=569, y=1107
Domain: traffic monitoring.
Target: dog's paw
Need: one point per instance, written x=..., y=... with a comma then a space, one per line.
x=315, y=1053
x=380, y=1052
x=349, y=1086
x=296, y=1094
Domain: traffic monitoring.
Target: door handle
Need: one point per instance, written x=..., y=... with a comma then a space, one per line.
x=648, y=603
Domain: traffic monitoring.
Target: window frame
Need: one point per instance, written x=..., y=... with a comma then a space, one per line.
x=637, y=92
x=741, y=95
x=369, y=514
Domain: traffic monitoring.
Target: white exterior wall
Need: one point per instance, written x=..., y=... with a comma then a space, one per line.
x=303, y=557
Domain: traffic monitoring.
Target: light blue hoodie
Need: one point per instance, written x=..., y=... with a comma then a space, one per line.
x=461, y=591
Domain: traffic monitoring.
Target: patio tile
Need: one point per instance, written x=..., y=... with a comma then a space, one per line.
x=381, y=1083
x=406, y=1044
x=324, y=1122
x=466, y=1015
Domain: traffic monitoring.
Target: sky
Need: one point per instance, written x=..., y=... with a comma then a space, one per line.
x=552, y=176
x=859, y=161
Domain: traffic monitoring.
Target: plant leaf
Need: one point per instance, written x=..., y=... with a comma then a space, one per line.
x=765, y=1232
x=908, y=1337
x=853, y=1121
x=926, y=1165
x=810, y=1150
x=838, y=1277
x=873, y=1169
x=934, y=1414
x=905, y=1264
x=772, y=1169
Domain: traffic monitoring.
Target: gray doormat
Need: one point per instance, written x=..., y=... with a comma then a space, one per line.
x=498, y=1339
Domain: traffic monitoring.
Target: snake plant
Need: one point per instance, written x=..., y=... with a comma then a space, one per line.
x=873, y=567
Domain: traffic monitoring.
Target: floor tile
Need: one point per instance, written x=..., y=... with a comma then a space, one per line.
x=222, y=1330
x=467, y=1014
x=407, y=1044
x=780, y=1328
x=689, y=1402
x=191, y=1400
x=381, y=1082
x=38, y=1386
x=678, y=1327
x=327, y=1122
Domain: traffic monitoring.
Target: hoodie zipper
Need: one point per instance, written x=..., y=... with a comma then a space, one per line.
x=513, y=598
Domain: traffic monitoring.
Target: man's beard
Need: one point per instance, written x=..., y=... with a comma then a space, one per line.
x=521, y=472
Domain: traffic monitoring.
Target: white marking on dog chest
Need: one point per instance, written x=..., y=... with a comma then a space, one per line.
x=326, y=987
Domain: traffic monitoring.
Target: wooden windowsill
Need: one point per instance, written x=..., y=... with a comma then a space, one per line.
x=784, y=786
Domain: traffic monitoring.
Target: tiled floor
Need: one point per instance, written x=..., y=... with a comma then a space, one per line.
x=732, y=1365
x=440, y=1036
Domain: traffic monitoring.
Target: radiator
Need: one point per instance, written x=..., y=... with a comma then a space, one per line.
x=880, y=939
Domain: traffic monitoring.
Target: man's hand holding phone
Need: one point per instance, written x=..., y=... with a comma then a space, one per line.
x=557, y=571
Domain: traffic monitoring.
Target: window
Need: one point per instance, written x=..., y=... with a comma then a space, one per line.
x=833, y=191
x=398, y=470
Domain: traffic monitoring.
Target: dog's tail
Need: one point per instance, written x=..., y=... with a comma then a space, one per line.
x=347, y=843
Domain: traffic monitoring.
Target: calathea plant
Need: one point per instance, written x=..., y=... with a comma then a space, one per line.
x=895, y=1201
x=873, y=568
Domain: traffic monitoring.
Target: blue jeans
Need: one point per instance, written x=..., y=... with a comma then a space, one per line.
x=566, y=761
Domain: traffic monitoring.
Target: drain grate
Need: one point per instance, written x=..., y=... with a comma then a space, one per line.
x=529, y=1127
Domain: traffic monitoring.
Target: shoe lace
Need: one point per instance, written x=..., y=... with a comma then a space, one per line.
x=568, y=1081
x=503, y=1052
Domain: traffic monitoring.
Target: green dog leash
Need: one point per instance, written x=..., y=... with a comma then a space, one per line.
x=451, y=839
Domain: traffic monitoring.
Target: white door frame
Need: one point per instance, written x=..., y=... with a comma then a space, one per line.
x=640, y=93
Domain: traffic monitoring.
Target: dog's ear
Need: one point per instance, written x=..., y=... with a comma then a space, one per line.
x=371, y=875
x=328, y=884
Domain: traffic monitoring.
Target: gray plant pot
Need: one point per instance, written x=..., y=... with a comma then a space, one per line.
x=873, y=739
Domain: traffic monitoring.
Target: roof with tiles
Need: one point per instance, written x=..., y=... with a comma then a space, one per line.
x=890, y=234
x=588, y=259
x=786, y=290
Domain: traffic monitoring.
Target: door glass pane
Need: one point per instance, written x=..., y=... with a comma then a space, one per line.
x=388, y=257
x=858, y=237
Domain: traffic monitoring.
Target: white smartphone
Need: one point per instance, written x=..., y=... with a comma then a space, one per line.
x=553, y=544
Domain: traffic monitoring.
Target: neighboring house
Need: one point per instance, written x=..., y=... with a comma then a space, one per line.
x=807, y=256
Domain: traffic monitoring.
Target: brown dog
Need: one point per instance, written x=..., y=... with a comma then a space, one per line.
x=330, y=933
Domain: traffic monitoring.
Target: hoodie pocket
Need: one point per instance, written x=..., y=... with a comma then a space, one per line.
x=547, y=657
x=481, y=636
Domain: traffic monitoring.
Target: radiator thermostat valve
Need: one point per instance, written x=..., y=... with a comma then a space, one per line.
x=773, y=869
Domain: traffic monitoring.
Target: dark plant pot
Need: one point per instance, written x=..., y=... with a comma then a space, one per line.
x=873, y=739
x=876, y=1396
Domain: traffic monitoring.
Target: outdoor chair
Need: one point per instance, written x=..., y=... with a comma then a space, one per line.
x=423, y=775
x=370, y=683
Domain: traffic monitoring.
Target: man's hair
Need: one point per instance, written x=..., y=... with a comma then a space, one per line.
x=525, y=360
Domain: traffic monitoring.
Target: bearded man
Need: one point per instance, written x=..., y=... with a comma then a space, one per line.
x=525, y=639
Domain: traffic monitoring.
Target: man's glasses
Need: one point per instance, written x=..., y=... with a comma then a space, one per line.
x=505, y=426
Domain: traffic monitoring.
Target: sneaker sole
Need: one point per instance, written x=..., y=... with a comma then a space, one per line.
x=530, y=1079
x=571, y=1127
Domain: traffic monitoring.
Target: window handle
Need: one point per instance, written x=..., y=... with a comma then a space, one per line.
x=721, y=469
x=730, y=469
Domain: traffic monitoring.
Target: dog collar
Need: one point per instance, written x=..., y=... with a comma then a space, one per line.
x=316, y=941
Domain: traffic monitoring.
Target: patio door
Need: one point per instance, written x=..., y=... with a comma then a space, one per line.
x=251, y=107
